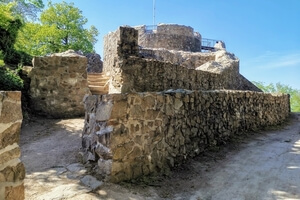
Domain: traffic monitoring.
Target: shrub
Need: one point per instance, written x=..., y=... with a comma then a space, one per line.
x=9, y=79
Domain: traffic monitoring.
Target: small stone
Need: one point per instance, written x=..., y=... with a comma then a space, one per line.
x=91, y=182
x=75, y=167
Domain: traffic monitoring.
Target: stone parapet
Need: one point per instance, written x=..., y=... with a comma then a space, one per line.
x=58, y=85
x=136, y=134
x=12, y=171
x=170, y=36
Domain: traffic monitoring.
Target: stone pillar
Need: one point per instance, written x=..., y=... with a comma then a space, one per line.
x=12, y=171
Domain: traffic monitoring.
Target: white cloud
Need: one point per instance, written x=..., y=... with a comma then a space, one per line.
x=273, y=60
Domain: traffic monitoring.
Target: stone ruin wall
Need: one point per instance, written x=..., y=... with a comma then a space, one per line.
x=132, y=71
x=12, y=171
x=167, y=108
x=169, y=36
x=136, y=134
x=189, y=60
x=58, y=85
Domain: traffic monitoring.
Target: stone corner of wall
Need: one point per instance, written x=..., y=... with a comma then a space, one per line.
x=12, y=171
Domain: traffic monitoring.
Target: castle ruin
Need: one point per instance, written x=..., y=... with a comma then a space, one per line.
x=160, y=100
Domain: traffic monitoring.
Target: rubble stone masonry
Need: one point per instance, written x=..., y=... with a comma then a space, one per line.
x=12, y=171
x=169, y=36
x=136, y=134
x=58, y=85
x=167, y=103
x=134, y=70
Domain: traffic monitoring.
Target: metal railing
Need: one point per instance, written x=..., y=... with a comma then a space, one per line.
x=150, y=28
x=208, y=44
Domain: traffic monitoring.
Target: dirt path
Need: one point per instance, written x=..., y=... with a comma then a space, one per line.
x=266, y=166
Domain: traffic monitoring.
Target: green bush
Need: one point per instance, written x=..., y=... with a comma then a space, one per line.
x=10, y=80
x=14, y=58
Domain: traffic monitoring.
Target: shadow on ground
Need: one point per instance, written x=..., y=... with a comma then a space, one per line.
x=265, y=165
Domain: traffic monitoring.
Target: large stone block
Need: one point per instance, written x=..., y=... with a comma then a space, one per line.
x=103, y=111
x=15, y=192
x=13, y=173
x=10, y=107
x=9, y=155
x=10, y=135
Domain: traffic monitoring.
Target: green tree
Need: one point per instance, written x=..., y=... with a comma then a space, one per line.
x=9, y=27
x=281, y=88
x=34, y=39
x=61, y=28
x=25, y=9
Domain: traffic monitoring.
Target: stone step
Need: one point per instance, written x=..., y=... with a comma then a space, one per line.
x=98, y=83
x=98, y=80
x=95, y=89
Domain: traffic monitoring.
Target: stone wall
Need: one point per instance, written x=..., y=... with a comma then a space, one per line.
x=190, y=60
x=134, y=70
x=95, y=64
x=130, y=135
x=170, y=36
x=12, y=171
x=58, y=85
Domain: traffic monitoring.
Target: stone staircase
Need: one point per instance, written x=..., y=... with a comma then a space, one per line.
x=98, y=83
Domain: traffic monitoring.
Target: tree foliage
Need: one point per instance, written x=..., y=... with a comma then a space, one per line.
x=9, y=79
x=25, y=9
x=61, y=28
x=9, y=27
x=281, y=88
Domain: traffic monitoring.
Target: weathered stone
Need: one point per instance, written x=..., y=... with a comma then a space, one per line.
x=11, y=135
x=177, y=104
x=10, y=107
x=95, y=65
x=15, y=193
x=103, y=111
x=10, y=155
x=75, y=167
x=102, y=151
x=91, y=182
x=104, y=166
x=136, y=112
x=119, y=110
x=13, y=173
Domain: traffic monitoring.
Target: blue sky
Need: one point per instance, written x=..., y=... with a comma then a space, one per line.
x=263, y=34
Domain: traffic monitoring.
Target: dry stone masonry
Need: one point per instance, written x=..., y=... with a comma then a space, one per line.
x=172, y=37
x=12, y=171
x=136, y=134
x=136, y=69
x=58, y=85
x=168, y=101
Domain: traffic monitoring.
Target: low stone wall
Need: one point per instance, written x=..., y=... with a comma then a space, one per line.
x=130, y=135
x=12, y=171
x=58, y=85
x=136, y=74
x=185, y=59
